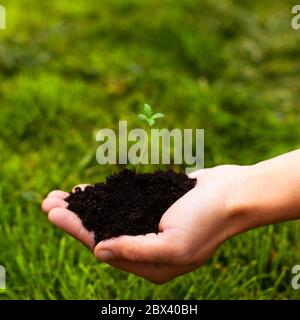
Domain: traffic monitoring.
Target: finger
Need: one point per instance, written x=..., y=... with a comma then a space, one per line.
x=141, y=269
x=193, y=175
x=199, y=175
x=58, y=194
x=156, y=273
x=52, y=202
x=71, y=224
x=80, y=186
x=145, y=248
x=196, y=174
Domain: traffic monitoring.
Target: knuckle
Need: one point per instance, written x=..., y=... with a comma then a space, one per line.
x=181, y=255
x=129, y=254
x=180, y=251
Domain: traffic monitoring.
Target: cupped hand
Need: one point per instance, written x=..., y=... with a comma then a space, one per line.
x=190, y=231
x=56, y=208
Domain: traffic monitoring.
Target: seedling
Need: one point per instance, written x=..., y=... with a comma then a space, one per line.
x=144, y=197
x=149, y=118
x=148, y=115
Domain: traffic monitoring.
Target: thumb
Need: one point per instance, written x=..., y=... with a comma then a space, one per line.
x=143, y=248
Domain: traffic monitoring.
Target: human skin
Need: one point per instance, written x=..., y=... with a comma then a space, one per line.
x=227, y=200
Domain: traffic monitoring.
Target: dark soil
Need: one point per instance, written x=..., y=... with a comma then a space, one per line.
x=128, y=203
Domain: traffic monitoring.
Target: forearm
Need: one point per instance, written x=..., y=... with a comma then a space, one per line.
x=268, y=192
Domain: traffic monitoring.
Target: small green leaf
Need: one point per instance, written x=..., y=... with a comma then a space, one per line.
x=142, y=117
x=158, y=115
x=147, y=110
x=151, y=122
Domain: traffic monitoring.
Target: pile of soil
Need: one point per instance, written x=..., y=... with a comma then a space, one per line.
x=128, y=203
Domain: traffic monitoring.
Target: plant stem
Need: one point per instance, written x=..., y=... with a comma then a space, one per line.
x=142, y=153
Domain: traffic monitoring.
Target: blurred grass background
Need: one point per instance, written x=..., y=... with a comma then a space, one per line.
x=68, y=68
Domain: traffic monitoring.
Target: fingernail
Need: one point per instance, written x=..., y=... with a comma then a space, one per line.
x=105, y=255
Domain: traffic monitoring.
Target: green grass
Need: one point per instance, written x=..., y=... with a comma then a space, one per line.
x=68, y=68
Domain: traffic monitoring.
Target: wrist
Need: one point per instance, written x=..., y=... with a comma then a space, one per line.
x=243, y=204
x=266, y=193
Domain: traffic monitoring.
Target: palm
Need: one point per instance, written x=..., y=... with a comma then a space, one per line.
x=189, y=232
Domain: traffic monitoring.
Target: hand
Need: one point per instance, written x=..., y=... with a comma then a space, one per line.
x=56, y=208
x=226, y=200
x=190, y=231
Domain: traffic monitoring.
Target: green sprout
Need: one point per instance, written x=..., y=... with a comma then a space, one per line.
x=149, y=118
x=148, y=115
